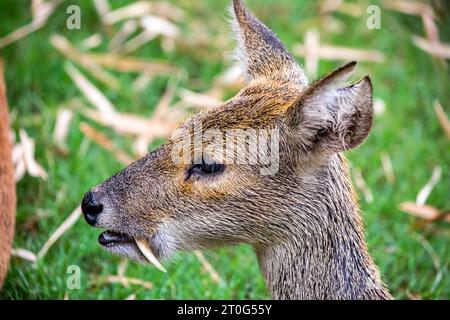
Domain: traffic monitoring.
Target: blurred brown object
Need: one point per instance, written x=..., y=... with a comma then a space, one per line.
x=442, y=117
x=313, y=51
x=7, y=184
x=431, y=43
x=424, y=211
x=42, y=10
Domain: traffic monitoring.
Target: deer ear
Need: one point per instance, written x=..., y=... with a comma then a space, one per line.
x=331, y=115
x=259, y=50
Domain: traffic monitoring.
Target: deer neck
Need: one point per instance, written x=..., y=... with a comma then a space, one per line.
x=327, y=259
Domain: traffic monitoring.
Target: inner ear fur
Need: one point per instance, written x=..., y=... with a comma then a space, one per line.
x=331, y=115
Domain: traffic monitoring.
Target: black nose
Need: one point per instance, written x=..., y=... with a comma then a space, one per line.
x=91, y=209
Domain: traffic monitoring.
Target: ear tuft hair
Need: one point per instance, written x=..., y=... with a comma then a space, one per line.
x=331, y=116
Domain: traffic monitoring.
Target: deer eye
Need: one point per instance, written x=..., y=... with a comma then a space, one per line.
x=212, y=168
x=205, y=169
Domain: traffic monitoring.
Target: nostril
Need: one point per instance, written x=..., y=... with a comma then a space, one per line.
x=90, y=208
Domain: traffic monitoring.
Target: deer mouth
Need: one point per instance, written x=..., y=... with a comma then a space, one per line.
x=125, y=244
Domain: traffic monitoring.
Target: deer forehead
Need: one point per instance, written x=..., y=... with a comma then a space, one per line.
x=256, y=106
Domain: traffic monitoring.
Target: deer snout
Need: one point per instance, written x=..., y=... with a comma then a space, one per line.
x=91, y=208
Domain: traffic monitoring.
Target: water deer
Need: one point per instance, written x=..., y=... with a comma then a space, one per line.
x=295, y=206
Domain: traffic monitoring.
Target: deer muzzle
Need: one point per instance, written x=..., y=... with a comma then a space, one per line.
x=121, y=243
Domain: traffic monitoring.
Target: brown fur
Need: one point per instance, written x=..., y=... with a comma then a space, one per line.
x=303, y=221
x=7, y=185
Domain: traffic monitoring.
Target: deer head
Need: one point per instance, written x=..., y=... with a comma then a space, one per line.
x=198, y=190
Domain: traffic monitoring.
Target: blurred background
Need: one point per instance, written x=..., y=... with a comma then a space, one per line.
x=93, y=86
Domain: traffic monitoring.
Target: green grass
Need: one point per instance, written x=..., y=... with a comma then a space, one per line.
x=408, y=82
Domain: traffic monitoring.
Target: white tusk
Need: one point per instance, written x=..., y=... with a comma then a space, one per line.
x=147, y=252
